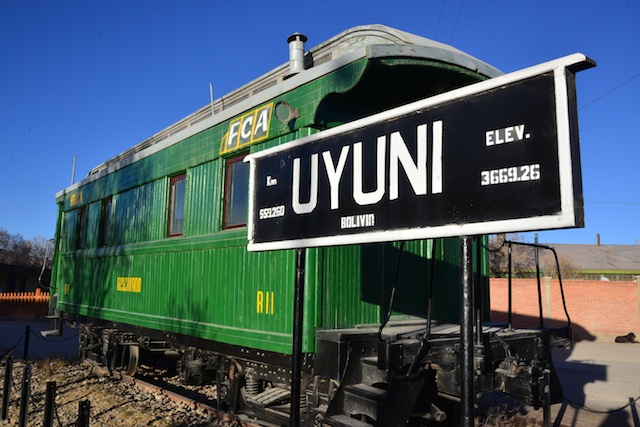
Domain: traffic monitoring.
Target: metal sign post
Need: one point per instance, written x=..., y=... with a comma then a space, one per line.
x=466, y=332
x=296, y=364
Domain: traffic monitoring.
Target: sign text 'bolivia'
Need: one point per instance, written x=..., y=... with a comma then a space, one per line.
x=497, y=156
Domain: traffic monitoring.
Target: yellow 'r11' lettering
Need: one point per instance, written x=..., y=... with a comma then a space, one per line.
x=264, y=302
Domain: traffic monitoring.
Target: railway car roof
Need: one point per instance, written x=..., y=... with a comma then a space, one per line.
x=370, y=41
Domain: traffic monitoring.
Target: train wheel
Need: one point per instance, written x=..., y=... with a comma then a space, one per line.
x=134, y=358
x=125, y=359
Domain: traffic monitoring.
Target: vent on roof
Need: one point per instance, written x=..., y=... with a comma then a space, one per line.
x=296, y=53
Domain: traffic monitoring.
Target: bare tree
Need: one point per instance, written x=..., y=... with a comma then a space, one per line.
x=15, y=250
x=6, y=253
x=4, y=239
x=522, y=257
x=39, y=250
x=568, y=268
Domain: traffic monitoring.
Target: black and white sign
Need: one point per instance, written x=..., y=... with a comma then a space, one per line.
x=498, y=156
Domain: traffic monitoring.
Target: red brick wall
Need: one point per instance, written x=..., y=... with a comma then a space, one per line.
x=597, y=309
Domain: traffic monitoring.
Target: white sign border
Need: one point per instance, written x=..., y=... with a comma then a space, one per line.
x=564, y=219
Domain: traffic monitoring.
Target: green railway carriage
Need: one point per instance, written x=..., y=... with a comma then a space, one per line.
x=156, y=236
x=151, y=247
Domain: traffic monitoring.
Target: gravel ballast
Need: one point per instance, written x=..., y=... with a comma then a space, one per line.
x=113, y=402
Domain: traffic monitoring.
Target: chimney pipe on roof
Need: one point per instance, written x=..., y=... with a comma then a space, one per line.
x=296, y=53
x=598, y=239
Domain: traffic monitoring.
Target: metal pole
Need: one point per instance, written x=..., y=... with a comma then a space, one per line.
x=49, y=403
x=296, y=363
x=84, y=412
x=537, y=260
x=477, y=291
x=478, y=351
x=509, y=313
x=546, y=395
x=466, y=333
x=73, y=169
x=25, y=355
x=24, y=397
x=6, y=388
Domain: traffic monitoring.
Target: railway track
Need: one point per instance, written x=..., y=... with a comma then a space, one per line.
x=114, y=399
x=196, y=398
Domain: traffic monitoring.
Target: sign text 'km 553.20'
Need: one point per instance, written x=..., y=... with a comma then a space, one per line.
x=497, y=156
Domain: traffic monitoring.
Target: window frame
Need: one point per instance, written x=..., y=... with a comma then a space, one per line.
x=172, y=194
x=106, y=222
x=226, y=205
x=81, y=227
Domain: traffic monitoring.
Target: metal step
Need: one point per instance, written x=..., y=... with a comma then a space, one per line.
x=370, y=373
x=363, y=399
x=372, y=393
x=345, y=421
x=371, y=360
x=156, y=346
x=56, y=327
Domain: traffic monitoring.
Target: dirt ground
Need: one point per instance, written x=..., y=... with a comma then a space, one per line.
x=600, y=379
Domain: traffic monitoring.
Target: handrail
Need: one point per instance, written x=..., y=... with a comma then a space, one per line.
x=537, y=246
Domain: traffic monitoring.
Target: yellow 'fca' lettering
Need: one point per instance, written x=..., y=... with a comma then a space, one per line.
x=264, y=302
x=247, y=129
x=67, y=288
x=129, y=284
x=75, y=198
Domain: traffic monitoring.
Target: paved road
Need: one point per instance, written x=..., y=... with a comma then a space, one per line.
x=598, y=377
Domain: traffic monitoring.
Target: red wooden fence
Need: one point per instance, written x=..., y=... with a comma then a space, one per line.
x=24, y=305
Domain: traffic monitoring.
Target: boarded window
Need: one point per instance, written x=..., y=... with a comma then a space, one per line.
x=236, y=192
x=176, y=205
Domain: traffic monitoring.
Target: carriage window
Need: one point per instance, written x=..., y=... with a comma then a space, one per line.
x=236, y=192
x=81, y=228
x=176, y=205
x=105, y=222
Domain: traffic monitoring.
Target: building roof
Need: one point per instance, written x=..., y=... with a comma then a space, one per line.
x=598, y=257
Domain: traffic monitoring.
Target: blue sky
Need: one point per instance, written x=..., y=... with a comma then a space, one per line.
x=95, y=78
